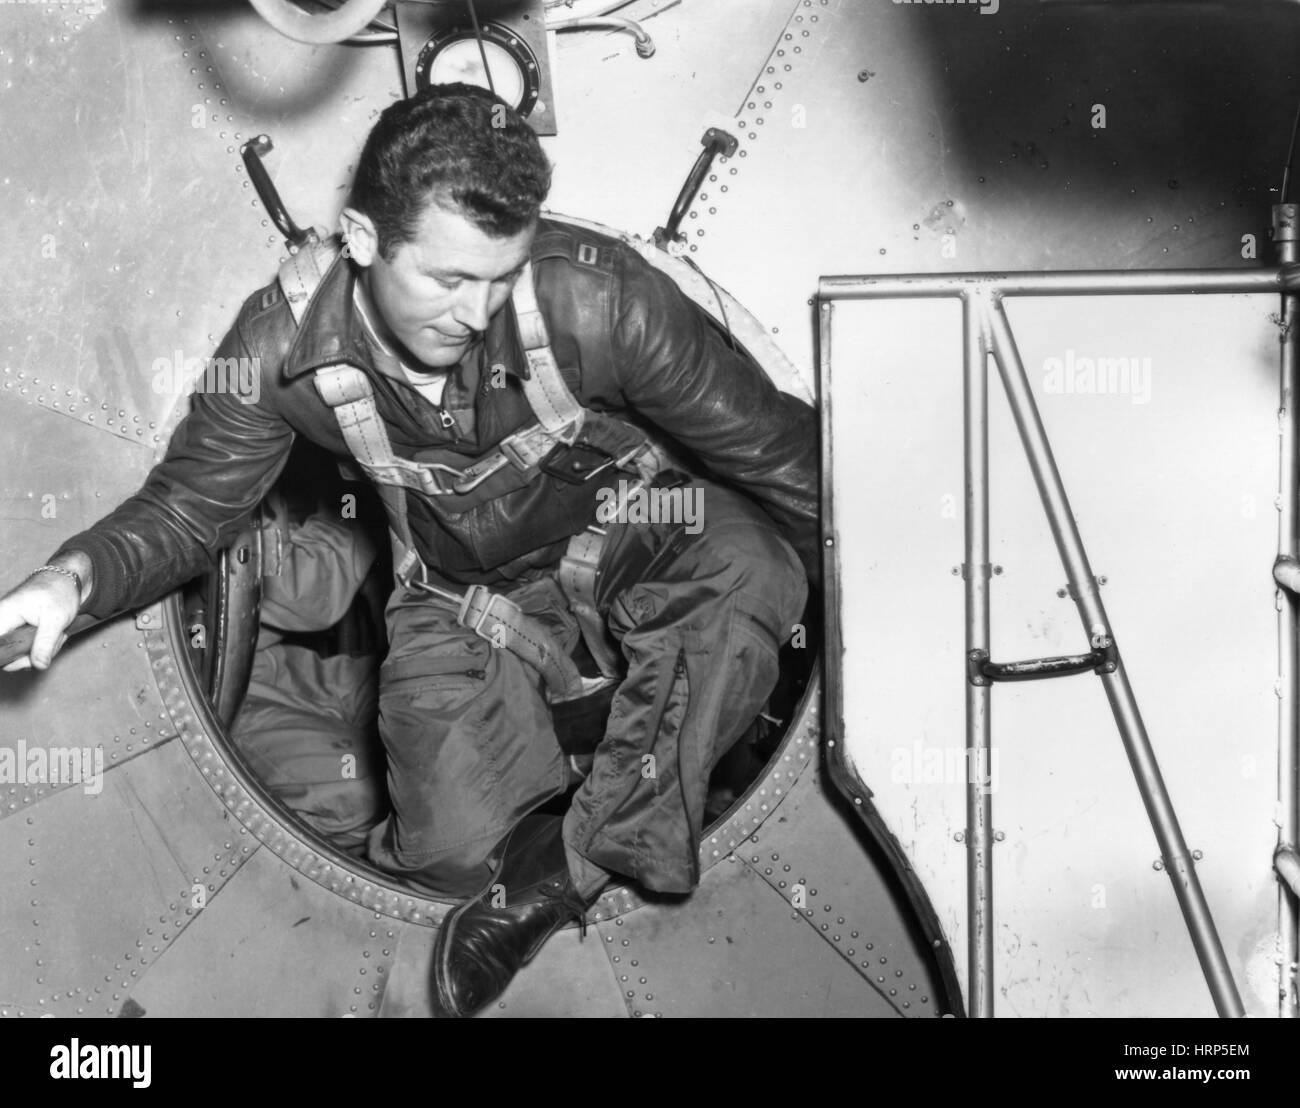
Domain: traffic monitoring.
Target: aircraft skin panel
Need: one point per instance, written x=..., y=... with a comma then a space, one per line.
x=641, y=121
x=736, y=948
x=108, y=673
x=317, y=103
x=101, y=884
x=59, y=475
x=271, y=943
x=1170, y=496
x=850, y=906
x=127, y=181
x=570, y=977
x=699, y=957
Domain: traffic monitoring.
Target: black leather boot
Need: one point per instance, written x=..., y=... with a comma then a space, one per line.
x=480, y=946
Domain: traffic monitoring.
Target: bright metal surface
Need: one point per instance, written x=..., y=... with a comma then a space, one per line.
x=1061, y=283
x=839, y=762
x=1287, y=863
x=983, y=312
x=986, y=330
x=979, y=741
x=982, y=301
x=910, y=144
x=1087, y=596
x=1285, y=234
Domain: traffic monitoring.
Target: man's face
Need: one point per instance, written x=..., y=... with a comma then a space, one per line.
x=441, y=288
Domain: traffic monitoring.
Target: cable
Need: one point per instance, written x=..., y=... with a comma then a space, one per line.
x=717, y=295
x=482, y=50
x=645, y=46
x=1290, y=155
x=604, y=9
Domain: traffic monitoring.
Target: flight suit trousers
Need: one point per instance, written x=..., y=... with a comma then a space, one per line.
x=307, y=729
x=471, y=746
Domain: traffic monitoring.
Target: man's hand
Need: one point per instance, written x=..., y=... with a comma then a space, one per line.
x=49, y=602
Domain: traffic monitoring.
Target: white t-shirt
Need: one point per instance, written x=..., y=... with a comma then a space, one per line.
x=428, y=385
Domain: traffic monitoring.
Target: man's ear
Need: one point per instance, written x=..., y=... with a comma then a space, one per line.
x=360, y=240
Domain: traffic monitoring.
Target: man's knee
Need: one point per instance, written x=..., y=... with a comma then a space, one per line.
x=767, y=566
x=458, y=871
x=757, y=566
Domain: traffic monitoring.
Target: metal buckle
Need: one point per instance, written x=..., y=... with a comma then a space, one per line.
x=472, y=477
x=429, y=477
x=520, y=450
x=468, y=601
x=567, y=463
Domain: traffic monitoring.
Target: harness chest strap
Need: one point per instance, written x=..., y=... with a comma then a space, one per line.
x=302, y=273
x=560, y=418
x=554, y=405
x=489, y=615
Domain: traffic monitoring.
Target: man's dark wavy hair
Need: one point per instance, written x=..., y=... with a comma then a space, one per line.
x=458, y=145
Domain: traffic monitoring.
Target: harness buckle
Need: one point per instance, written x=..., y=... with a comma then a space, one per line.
x=409, y=567
x=486, y=602
x=528, y=448
x=430, y=478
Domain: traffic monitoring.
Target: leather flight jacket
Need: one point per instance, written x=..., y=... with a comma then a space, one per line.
x=628, y=342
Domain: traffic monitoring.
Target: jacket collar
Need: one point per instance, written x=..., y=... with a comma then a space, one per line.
x=332, y=330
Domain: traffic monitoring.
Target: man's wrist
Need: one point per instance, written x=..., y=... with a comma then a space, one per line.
x=79, y=563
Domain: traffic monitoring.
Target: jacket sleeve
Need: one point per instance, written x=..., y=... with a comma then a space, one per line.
x=680, y=372
x=222, y=459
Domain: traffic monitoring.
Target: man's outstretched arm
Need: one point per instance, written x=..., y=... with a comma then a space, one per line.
x=221, y=461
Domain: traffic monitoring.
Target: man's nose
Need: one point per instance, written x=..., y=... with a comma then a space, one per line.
x=472, y=308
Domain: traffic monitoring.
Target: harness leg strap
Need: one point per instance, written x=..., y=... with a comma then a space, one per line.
x=579, y=573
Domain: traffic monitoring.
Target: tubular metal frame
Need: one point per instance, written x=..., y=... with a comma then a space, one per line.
x=987, y=331
x=1288, y=627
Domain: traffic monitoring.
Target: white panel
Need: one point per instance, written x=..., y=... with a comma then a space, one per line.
x=1172, y=483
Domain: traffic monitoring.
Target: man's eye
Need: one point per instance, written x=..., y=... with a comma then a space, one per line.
x=447, y=284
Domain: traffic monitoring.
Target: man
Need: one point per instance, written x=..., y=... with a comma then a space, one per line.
x=504, y=380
